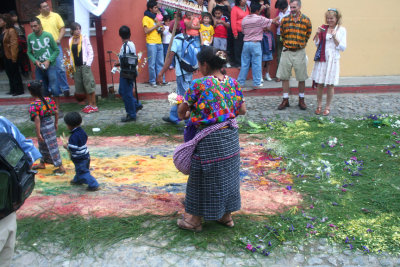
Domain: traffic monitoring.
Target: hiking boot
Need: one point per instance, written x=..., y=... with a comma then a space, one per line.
x=284, y=104
x=302, y=104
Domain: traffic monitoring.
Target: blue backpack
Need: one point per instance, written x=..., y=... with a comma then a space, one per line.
x=187, y=57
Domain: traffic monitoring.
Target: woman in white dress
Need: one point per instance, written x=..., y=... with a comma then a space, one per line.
x=330, y=40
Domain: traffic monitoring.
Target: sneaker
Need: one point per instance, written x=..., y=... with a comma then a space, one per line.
x=167, y=119
x=261, y=85
x=92, y=109
x=66, y=93
x=93, y=189
x=85, y=108
x=165, y=83
x=127, y=119
x=153, y=85
x=267, y=77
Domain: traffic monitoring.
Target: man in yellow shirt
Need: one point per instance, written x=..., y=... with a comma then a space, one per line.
x=53, y=23
x=153, y=28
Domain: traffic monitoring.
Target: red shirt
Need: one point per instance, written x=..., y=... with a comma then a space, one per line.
x=220, y=30
x=237, y=15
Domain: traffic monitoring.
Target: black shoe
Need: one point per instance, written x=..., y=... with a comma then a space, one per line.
x=93, y=189
x=139, y=108
x=72, y=182
x=167, y=119
x=20, y=93
x=127, y=119
x=66, y=93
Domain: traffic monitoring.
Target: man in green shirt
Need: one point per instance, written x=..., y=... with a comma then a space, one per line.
x=43, y=52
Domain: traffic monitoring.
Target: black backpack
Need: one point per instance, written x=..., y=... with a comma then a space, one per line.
x=17, y=180
x=128, y=63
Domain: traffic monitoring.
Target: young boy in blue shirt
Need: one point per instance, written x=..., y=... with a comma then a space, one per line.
x=79, y=152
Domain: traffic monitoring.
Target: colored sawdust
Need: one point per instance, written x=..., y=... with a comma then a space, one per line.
x=137, y=176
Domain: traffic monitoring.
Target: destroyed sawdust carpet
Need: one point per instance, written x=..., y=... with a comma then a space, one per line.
x=137, y=176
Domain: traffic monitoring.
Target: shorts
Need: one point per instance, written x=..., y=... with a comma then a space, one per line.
x=84, y=81
x=267, y=56
x=220, y=43
x=293, y=59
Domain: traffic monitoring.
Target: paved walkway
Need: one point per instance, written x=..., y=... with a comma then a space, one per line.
x=143, y=252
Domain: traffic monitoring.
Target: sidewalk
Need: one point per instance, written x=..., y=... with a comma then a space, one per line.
x=375, y=84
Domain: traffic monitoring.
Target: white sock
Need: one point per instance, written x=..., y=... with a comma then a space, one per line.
x=301, y=94
x=285, y=95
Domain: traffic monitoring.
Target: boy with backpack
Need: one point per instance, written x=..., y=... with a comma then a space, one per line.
x=128, y=75
x=184, y=49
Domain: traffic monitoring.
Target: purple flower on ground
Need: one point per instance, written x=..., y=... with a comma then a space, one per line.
x=323, y=145
x=249, y=247
x=258, y=246
x=347, y=240
x=254, y=250
x=369, y=230
x=269, y=243
x=332, y=225
x=354, y=150
x=152, y=157
x=394, y=133
x=309, y=225
x=351, y=246
x=324, y=219
x=366, y=249
x=267, y=253
x=354, y=158
x=289, y=187
x=344, y=190
x=291, y=229
x=389, y=153
x=311, y=206
x=334, y=204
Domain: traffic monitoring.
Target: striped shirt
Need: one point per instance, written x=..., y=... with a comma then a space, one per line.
x=77, y=144
x=295, y=34
x=253, y=27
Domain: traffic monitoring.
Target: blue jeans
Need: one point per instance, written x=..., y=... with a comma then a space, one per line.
x=49, y=80
x=61, y=75
x=183, y=83
x=82, y=173
x=126, y=92
x=155, y=60
x=165, y=50
x=251, y=53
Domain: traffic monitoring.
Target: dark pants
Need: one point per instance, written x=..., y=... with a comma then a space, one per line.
x=238, y=42
x=14, y=77
x=82, y=173
x=126, y=92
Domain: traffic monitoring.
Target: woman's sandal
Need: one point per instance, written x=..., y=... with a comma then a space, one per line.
x=186, y=225
x=318, y=110
x=229, y=222
x=38, y=167
x=326, y=112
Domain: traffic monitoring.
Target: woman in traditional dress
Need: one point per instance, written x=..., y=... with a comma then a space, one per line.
x=330, y=40
x=213, y=187
x=41, y=111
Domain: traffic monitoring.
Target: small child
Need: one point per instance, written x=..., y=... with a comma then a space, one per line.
x=40, y=111
x=206, y=30
x=79, y=152
x=192, y=26
x=166, y=38
x=220, y=29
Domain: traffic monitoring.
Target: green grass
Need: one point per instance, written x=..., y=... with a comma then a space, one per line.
x=361, y=211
